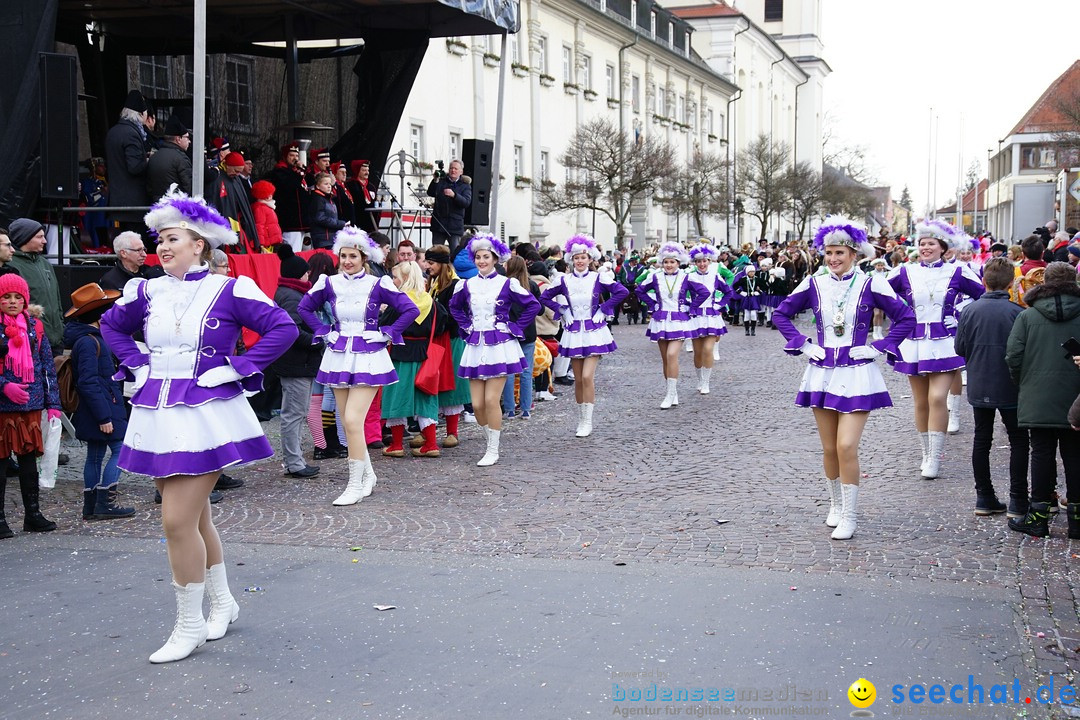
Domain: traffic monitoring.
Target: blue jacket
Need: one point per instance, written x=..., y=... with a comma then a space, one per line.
x=980, y=339
x=463, y=265
x=324, y=222
x=44, y=394
x=101, y=399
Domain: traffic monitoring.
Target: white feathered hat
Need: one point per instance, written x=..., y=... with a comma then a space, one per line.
x=354, y=237
x=673, y=250
x=176, y=209
x=840, y=230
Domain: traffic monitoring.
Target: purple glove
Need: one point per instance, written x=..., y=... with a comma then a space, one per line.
x=16, y=393
x=54, y=414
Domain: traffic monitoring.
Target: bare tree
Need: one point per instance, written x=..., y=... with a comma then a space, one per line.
x=699, y=189
x=761, y=179
x=844, y=194
x=1069, y=107
x=807, y=193
x=612, y=173
x=971, y=178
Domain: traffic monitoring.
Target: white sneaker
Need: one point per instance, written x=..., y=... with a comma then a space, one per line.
x=545, y=395
x=468, y=417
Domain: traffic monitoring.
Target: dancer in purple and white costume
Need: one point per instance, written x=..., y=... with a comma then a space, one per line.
x=481, y=308
x=356, y=363
x=932, y=287
x=585, y=332
x=189, y=417
x=965, y=255
x=674, y=297
x=842, y=384
x=709, y=319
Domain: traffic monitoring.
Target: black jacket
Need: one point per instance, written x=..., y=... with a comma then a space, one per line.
x=290, y=197
x=126, y=162
x=168, y=165
x=529, y=331
x=980, y=339
x=416, y=335
x=448, y=213
x=116, y=278
x=302, y=358
x=364, y=220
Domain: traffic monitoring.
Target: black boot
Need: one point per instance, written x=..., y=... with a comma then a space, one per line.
x=333, y=445
x=753, y=328
x=1074, y=521
x=746, y=326
x=1035, y=522
x=105, y=507
x=89, y=499
x=33, y=521
x=5, y=531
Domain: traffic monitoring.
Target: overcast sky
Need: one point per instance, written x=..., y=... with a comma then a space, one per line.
x=985, y=61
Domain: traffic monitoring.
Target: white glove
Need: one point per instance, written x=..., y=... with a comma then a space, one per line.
x=502, y=327
x=332, y=337
x=864, y=352
x=599, y=317
x=374, y=336
x=218, y=376
x=813, y=351
x=950, y=322
x=567, y=317
x=142, y=374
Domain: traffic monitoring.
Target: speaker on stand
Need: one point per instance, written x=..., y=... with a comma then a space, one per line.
x=476, y=155
x=57, y=97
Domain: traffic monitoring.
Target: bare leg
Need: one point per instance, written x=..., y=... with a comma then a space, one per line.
x=476, y=390
x=938, y=398
x=849, y=432
x=353, y=404
x=699, y=359
x=662, y=344
x=492, y=395
x=920, y=395
x=585, y=373
x=827, y=421
x=214, y=552
x=957, y=387
x=579, y=384
x=707, y=344
x=183, y=500
x=671, y=352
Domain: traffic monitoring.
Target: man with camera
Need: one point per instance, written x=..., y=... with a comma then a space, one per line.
x=452, y=195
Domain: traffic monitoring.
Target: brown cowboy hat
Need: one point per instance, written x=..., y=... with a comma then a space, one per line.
x=90, y=297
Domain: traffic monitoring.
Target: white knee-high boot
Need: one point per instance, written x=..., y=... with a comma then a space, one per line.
x=492, y=455
x=580, y=419
x=706, y=376
x=924, y=441
x=223, y=607
x=190, y=631
x=354, y=491
x=585, y=427
x=836, y=504
x=849, y=495
x=936, y=451
x=369, y=477
x=671, y=398
x=954, y=414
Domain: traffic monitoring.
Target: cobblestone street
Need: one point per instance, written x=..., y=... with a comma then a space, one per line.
x=726, y=480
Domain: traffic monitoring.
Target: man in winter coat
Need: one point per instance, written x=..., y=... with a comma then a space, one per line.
x=130, y=263
x=291, y=196
x=452, y=195
x=7, y=251
x=980, y=339
x=229, y=195
x=170, y=164
x=126, y=159
x=299, y=365
x=1048, y=384
x=28, y=237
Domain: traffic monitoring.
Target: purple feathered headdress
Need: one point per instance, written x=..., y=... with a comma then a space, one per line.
x=582, y=244
x=939, y=230
x=839, y=230
x=354, y=237
x=176, y=209
x=703, y=249
x=673, y=250
x=490, y=243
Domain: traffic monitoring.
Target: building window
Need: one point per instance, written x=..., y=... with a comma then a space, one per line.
x=709, y=122
x=519, y=151
x=567, y=64
x=541, y=60
x=633, y=12
x=635, y=93
x=544, y=165
x=722, y=129
x=154, y=76
x=586, y=73
x=603, y=5
x=515, y=49
x=652, y=23
x=609, y=77
x=189, y=76
x=680, y=110
x=774, y=10
x=661, y=105
x=455, y=146
x=416, y=141
x=239, y=99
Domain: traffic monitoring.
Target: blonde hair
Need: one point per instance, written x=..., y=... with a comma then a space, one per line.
x=410, y=275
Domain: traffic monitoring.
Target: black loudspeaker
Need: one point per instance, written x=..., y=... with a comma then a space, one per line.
x=476, y=154
x=57, y=97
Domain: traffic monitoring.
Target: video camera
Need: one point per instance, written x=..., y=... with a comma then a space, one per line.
x=440, y=171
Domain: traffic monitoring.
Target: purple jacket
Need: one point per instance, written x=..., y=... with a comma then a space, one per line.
x=714, y=284
x=617, y=293
x=874, y=293
x=690, y=296
x=496, y=326
x=356, y=300
x=191, y=326
x=960, y=284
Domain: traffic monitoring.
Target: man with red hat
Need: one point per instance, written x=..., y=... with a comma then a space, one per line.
x=229, y=196
x=363, y=195
x=343, y=198
x=290, y=196
x=320, y=162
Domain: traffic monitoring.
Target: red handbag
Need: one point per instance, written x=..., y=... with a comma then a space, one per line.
x=427, y=377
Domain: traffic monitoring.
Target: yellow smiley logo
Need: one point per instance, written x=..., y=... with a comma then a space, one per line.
x=862, y=693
